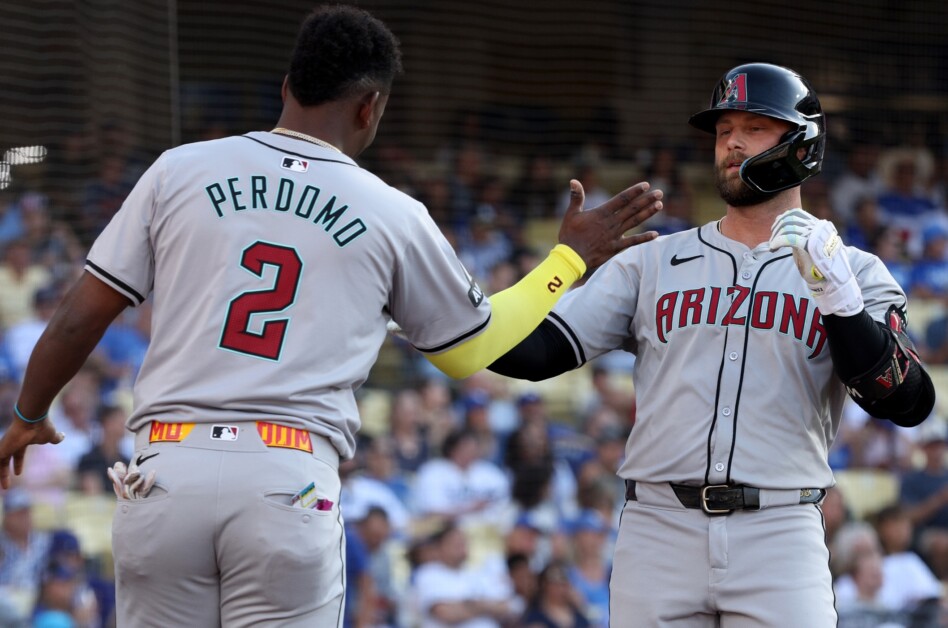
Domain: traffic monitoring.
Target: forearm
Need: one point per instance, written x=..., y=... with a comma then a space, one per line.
x=515, y=313
x=879, y=367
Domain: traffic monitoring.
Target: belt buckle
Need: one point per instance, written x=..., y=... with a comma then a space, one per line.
x=704, y=501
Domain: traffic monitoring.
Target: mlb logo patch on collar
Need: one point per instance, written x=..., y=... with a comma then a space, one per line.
x=295, y=164
x=224, y=432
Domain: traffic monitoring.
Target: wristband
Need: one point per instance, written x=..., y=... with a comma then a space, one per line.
x=26, y=420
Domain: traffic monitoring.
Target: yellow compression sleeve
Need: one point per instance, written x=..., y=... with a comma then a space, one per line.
x=515, y=312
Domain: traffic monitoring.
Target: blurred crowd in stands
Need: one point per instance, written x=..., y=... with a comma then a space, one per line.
x=486, y=502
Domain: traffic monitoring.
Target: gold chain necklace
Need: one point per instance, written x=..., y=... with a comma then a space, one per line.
x=306, y=138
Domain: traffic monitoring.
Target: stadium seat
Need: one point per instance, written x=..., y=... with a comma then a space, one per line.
x=866, y=491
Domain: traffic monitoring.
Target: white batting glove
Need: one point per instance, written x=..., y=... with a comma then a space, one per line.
x=821, y=259
x=129, y=483
x=117, y=473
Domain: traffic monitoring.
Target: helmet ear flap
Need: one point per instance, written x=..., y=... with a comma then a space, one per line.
x=793, y=160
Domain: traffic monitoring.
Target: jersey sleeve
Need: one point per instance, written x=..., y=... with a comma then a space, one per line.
x=434, y=299
x=597, y=316
x=879, y=288
x=123, y=256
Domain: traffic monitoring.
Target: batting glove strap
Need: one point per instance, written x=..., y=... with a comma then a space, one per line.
x=843, y=300
x=821, y=258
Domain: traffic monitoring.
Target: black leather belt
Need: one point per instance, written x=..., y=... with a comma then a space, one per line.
x=723, y=499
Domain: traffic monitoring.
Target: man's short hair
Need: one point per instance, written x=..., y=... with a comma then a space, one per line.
x=339, y=50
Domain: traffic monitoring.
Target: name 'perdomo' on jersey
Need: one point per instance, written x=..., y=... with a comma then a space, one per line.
x=282, y=198
x=767, y=309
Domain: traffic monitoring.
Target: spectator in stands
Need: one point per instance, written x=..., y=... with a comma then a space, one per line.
x=11, y=216
x=866, y=226
x=121, y=351
x=360, y=587
x=538, y=536
x=891, y=249
x=836, y=513
x=93, y=598
x=22, y=336
x=929, y=278
x=482, y=244
x=590, y=572
x=607, y=457
x=53, y=245
x=409, y=426
x=20, y=279
x=556, y=604
x=76, y=415
x=523, y=579
x=861, y=607
x=56, y=604
x=102, y=197
x=924, y=493
x=565, y=441
x=362, y=492
x=908, y=582
x=539, y=479
x=24, y=551
x=379, y=456
x=663, y=171
x=450, y=593
x=933, y=347
x=461, y=486
x=890, y=584
x=535, y=194
x=904, y=205
x=115, y=444
x=475, y=417
x=376, y=533
x=859, y=180
x=465, y=182
x=587, y=171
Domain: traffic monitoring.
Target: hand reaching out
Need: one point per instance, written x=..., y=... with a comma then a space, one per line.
x=598, y=233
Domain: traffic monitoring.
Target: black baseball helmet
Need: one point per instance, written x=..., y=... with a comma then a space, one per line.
x=776, y=92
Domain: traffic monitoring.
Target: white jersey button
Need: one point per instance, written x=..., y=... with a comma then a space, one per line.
x=746, y=274
x=733, y=355
x=719, y=466
x=726, y=412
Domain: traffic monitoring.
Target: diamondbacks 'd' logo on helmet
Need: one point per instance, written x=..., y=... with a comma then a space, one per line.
x=736, y=91
x=780, y=93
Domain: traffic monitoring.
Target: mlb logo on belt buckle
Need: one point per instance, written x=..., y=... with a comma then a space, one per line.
x=224, y=432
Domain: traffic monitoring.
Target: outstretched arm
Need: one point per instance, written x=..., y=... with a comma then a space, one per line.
x=587, y=240
x=74, y=331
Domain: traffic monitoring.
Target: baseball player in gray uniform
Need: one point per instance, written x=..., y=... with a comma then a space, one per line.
x=748, y=333
x=275, y=264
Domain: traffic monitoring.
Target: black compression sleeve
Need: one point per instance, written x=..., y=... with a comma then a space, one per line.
x=856, y=343
x=879, y=367
x=545, y=353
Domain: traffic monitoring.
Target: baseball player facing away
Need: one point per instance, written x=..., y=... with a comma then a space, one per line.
x=275, y=264
x=748, y=333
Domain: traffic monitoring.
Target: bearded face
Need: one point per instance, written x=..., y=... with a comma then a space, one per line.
x=731, y=188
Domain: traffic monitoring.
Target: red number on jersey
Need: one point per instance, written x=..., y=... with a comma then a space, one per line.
x=269, y=342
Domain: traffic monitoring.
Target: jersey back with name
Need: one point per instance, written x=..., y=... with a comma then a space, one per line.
x=274, y=266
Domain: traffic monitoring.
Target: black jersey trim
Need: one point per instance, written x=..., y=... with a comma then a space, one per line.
x=460, y=338
x=740, y=383
x=118, y=282
x=289, y=152
x=720, y=250
x=572, y=335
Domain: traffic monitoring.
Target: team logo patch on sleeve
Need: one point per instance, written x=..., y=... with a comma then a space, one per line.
x=295, y=164
x=224, y=432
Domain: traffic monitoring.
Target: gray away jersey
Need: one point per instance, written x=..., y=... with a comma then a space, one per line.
x=275, y=265
x=733, y=376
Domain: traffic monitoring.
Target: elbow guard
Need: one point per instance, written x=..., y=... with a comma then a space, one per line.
x=896, y=387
